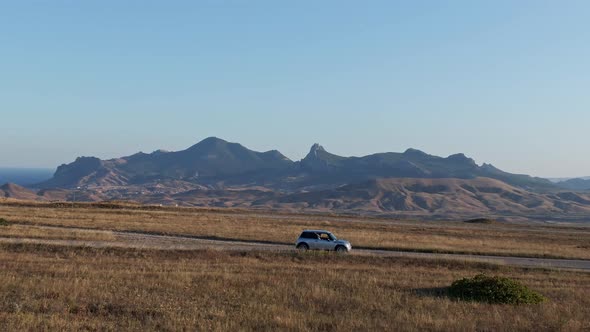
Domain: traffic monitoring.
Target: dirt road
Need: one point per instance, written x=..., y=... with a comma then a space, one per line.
x=122, y=239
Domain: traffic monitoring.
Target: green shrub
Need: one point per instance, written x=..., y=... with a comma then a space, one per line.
x=4, y=222
x=495, y=290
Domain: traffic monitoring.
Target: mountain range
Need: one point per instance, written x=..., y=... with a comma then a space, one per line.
x=215, y=172
x=218, y=163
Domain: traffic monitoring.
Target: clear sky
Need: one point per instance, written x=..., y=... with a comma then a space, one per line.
x=505, y=82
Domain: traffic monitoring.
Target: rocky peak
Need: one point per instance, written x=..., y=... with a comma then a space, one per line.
x=415, y=152
x=316, y=148
x=461, y=159
x=209, y=143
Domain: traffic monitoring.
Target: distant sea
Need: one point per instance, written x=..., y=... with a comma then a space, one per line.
x=25, y=176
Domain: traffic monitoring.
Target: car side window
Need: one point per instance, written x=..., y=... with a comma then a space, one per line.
x=308, y=235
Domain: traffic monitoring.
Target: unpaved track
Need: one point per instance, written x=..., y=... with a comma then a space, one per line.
x=132, y=239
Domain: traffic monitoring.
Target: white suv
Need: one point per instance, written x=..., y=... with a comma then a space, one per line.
x=321, y=240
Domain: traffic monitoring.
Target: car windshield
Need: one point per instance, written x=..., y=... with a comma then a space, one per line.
x=332, y=237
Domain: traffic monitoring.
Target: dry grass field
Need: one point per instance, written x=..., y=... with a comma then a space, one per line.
x=69, y=288
x=35, y=232
x=447, y=237
x=59, y=287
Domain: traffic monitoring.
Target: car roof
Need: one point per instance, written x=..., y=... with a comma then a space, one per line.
x=316, y=231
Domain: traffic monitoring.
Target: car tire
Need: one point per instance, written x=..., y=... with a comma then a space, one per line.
x=303, y=247
x=341, y=249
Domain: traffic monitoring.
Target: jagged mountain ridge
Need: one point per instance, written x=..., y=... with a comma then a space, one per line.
x=211, y=158
x=215, y=161
x=410, y=164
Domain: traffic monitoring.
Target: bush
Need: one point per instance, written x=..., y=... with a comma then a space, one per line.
x=4, y=222
x=494, y=290
x=481, y=221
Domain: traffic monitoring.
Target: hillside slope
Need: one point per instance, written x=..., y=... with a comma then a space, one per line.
x=11, y=190
x=442, y=196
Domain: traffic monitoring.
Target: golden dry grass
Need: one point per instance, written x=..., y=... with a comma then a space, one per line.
x=49, y=287
x=451, y=237
x=59, y=288
x=35, y=232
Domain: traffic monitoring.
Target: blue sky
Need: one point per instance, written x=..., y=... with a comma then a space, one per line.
x=505, y=82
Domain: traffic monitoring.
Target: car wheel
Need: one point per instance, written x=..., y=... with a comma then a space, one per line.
x=303, y=247
x=341, y=249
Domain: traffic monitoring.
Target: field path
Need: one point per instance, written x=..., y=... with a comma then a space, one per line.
x=140, y=240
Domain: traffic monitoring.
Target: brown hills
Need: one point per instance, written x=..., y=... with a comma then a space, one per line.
x=11, y=190
x=393, y=196
x=441, y=196
x=14, y=191
x=218, y=173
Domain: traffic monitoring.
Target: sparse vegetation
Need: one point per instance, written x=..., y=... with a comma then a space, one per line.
x=443, y=237
x=494, y=290
x=53, y=285
x=33, y=232
x=66, y=288
x=4, y=222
